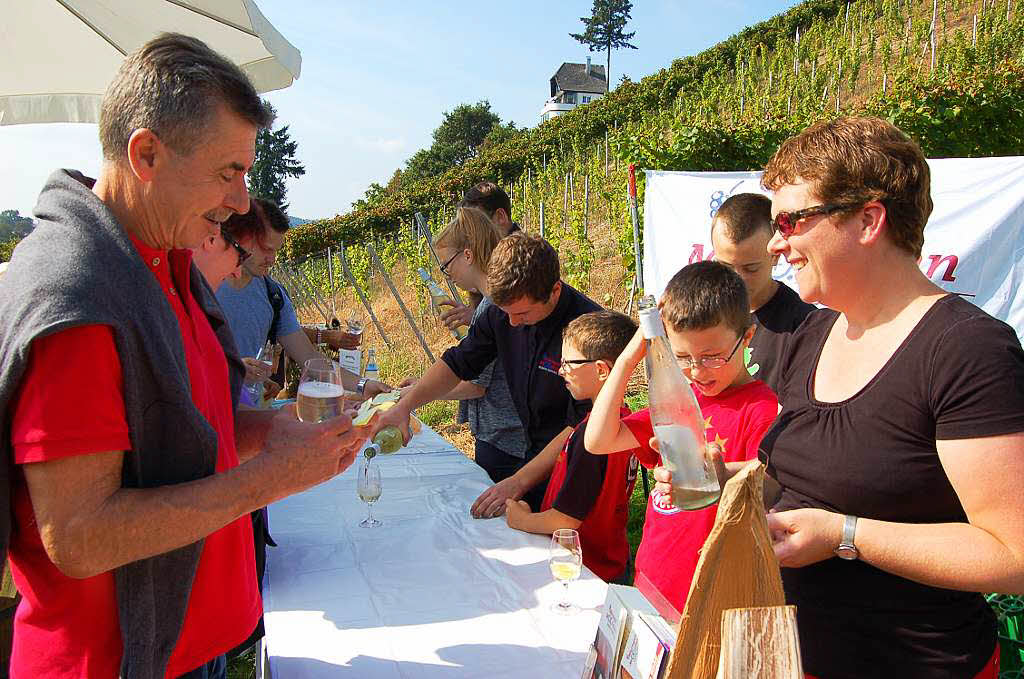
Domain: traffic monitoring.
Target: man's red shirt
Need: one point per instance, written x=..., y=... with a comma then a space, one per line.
x=70, y=403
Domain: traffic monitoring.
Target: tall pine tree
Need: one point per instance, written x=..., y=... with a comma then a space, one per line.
x=604, y=30
x=275, y=160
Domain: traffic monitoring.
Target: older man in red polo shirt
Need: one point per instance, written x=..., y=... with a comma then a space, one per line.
x=133, y=477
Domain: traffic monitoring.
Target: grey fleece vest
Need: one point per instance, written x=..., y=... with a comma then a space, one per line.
x=79, y=267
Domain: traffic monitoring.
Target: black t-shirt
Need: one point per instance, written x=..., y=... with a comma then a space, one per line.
x=584, y=478
x=959, y=374
x=779, y=316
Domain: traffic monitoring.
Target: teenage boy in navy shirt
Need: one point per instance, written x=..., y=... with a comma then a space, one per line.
x=740, y=233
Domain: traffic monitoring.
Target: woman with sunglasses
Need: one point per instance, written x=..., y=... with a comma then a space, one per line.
x=219, y=258
x=464, y=248
x=899, y=447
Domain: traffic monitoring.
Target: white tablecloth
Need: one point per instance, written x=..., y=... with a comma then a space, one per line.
x=431, y=593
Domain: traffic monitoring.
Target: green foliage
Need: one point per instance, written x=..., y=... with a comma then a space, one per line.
x=274, y=160
x=727, y=108
x=604, y=30
x=6, y=248
x=456, y=140
x=13, y=225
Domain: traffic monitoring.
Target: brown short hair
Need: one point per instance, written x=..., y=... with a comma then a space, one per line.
x=522, y=266
x=857, y=160
x=173, y=85
x=703, y=295
x=600, y=335
x=489, y=197
x=471, y=230
x=743, y=215
x=262, y=213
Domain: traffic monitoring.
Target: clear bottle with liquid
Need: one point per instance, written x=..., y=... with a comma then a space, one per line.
x=437, y=296
x=676, y=418
x=371, y=372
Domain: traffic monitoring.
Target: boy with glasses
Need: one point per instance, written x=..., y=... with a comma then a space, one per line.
x=706, y=311
x=586, y=492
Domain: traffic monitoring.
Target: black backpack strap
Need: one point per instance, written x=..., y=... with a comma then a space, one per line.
x=276, y=298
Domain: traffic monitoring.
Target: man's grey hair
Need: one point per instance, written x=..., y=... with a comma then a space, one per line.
x=173, y=85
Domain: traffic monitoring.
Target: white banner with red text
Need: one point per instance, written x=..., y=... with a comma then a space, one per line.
x=974, y=241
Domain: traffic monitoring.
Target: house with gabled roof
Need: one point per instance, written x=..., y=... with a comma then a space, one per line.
x=573, y=85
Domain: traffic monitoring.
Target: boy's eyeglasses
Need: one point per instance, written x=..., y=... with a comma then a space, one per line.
x=444, y=267
x=568, y=365
x=243, y=254
x=710, y=362
x=786, y=222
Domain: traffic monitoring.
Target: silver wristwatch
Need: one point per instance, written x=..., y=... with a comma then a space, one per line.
x=361, y=385
x=847, y=549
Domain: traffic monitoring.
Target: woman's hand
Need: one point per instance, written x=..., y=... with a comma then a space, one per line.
x=459, y=314
x=801, y=537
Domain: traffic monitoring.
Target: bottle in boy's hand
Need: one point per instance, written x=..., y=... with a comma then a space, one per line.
x=676, y=418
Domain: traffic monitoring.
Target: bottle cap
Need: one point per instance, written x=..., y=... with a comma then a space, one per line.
x=650, y=323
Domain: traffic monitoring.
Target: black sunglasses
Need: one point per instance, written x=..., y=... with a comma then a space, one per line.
x=444, y=267
x=243, y=254
x=786, y=222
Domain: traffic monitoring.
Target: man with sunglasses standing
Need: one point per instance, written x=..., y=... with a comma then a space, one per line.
x=740, y=233
x=259, y=309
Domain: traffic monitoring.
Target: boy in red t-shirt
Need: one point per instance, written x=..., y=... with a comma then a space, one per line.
x=707, y=319
x=589, y=493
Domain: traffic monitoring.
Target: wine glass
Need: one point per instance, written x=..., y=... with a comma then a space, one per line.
x=566, y=561
x=368, y=487
x=321, y=395
x=355, y=323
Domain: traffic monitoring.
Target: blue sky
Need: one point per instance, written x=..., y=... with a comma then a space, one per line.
x=378, y=76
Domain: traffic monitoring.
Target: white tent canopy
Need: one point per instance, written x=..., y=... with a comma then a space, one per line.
x=60, y=55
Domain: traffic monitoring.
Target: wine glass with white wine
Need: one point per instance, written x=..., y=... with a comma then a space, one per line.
x=566, y=562
x=321, y=395
x=368, y=487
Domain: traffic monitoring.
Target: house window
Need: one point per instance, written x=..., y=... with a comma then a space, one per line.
x=586, y=99
x=569, y=98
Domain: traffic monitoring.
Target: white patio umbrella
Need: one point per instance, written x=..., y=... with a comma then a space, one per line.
x=57, y=56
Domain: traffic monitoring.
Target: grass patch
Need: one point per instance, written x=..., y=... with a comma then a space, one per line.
x=437, y=413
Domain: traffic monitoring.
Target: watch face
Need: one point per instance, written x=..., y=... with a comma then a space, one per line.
x=847, y=552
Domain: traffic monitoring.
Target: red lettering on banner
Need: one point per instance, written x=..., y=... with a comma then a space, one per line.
x=697, y=254
x=937, y=260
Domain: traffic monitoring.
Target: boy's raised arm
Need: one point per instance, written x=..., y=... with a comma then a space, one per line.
x=606, y=434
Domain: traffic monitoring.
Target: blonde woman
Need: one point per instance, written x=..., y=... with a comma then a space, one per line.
x=464, y=248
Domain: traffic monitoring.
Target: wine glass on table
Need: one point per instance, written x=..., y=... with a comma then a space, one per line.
x=321, y=394
x=368, y=487
x=566, y=562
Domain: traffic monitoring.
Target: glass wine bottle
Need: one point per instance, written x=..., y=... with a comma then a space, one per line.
x=676, y=418
x=437, y=296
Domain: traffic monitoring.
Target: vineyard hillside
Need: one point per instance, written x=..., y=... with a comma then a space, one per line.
x=948, y=72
